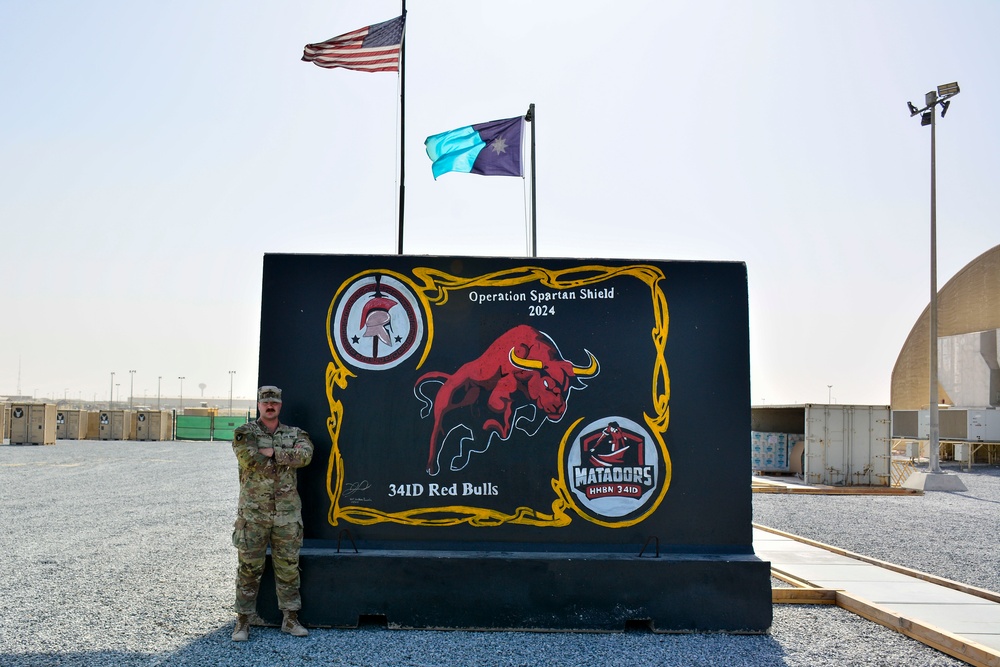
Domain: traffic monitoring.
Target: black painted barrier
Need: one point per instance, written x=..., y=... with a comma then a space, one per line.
x=501, y=438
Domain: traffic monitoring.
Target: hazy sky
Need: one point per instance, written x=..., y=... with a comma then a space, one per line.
x=152, y=152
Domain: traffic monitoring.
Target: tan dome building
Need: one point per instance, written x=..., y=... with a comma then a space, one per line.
x=968, y=327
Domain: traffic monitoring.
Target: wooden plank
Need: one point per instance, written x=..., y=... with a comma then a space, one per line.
x=803, y=596
x=837, y=490
x=942, y=640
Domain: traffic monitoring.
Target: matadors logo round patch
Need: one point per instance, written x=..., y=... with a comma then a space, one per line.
x=613, y=468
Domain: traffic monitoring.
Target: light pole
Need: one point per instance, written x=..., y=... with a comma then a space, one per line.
x=131, y=388
x=181, y=378
x=111, y=394
x=158, y=378
x=941, y=96
x=829, y=394
x=231, y=374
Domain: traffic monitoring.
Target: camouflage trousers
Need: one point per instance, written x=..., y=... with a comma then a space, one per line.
x=251, y=535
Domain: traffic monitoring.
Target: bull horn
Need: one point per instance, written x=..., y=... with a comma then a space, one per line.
x=524, y=364
x=590, y=370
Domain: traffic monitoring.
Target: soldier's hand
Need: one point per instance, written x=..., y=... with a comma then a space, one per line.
x=266, y=451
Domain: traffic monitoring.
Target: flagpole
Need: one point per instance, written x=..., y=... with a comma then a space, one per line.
x=402, y=132
x=530, y=117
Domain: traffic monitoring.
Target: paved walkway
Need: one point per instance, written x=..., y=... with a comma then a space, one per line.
x=960, y=620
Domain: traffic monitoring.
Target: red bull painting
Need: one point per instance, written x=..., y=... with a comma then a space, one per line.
x=522, y=371
x=538, y=407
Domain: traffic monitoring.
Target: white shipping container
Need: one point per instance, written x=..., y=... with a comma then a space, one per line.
x=847, y=445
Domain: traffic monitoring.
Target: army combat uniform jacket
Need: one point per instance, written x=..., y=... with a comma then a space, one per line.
x=268, y=485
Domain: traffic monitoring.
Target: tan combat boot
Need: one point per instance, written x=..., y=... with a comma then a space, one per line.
x=292, y=626
x=256, y=620
x=242, y=630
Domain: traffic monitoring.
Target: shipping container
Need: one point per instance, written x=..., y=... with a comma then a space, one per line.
x=71, y=425
x=153, y=425
x=32, y=424
x=4, y=414
x=843, y=445
x=115, y=424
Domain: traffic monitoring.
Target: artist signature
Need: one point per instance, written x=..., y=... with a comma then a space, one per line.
x=353, y=488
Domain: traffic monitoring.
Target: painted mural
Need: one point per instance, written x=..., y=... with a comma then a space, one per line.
x=488, y=377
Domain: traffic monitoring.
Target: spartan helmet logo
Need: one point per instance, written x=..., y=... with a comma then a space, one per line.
x=375, y=319
x=376, y=322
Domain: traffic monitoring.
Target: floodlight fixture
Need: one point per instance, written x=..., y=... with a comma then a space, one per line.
x=932, y=99
x=948, y=89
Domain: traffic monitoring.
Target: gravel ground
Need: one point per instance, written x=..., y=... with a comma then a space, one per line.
x=118, y=553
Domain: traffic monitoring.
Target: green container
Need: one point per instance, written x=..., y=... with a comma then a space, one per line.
x=190, y=427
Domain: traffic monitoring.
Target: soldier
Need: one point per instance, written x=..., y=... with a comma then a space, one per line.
x=269, y=511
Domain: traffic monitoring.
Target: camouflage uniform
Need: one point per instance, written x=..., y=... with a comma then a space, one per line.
x=269, y=511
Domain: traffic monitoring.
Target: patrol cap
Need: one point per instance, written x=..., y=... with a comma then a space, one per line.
x=269, y=394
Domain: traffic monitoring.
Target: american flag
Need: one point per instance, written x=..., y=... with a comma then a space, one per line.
x=374, y=48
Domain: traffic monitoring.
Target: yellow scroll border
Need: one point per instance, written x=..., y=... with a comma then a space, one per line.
x=433, y=287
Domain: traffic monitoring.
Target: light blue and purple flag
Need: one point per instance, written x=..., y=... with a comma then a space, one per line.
x=488, y=149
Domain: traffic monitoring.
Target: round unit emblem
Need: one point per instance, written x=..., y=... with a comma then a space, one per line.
x=613, y=468
x=377, y=323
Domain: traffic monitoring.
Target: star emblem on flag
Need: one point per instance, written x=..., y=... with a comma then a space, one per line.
x=499, y=145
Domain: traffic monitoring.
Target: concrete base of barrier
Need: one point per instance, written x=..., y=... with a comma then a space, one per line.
x=595, y=592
